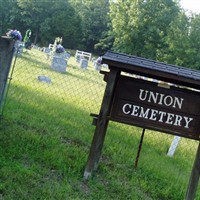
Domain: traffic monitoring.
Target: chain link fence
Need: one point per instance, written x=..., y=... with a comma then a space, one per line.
x=59, y=104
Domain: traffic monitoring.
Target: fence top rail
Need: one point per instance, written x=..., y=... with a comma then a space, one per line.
x=153, y=69
x=86, y=54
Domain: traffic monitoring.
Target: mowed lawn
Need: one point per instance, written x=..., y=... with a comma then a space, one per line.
x=45, y=137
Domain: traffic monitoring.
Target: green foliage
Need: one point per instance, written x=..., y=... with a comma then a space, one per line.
x=51, y=19
x=193, y=52
x=94, y=22
x=177, y=41
x=6, y=18
x=140, y=27
x=156, y=29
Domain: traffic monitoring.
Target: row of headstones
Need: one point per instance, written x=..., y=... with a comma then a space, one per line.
x=19, y=46
x=59, y=60
x=83, y=63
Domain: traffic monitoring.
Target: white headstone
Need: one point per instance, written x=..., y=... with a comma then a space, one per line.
x=173, y=146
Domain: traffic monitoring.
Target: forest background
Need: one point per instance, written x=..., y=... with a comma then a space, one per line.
x=155, y=29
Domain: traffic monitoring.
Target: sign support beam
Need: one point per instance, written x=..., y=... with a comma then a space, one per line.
x=139, y=148
x=194, y=178
x=149, y=105
x=102, y=124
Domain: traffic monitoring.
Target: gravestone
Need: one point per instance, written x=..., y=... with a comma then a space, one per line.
x=78, y=58
x=63, y=55
x=46, y=50
x=44, y=79
x=83, y=63
x=66, y=55
x=59, y=64
x=18, y=48
x=173, y=146
x=97, y=66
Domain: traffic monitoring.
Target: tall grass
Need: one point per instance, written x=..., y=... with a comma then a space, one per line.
x=45, y=137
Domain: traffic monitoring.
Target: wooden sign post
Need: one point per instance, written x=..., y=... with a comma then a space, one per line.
x=148, y=104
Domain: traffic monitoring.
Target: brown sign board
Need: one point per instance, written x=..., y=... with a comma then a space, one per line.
x=146, y=104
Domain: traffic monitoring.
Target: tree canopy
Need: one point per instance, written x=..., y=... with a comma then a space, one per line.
x=156, y=29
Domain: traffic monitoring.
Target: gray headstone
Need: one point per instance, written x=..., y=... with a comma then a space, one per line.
x=44, y=79
x=18, y=47
x=66, y=55
x=46, y=50
x=59, y=64
x=97, y=66
x=84, y=63
x=78, y=58
x=105, y=66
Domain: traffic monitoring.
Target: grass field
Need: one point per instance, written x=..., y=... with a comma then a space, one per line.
x=45, y=137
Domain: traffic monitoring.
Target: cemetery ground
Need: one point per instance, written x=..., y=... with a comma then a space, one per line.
x=45, y=137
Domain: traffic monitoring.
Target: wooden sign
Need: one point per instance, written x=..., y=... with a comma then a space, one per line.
x=146, y=104
x=174, y=109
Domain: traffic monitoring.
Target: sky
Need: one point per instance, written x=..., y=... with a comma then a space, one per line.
x=191, y=5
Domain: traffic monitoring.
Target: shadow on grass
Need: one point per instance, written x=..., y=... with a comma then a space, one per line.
x=44, y=137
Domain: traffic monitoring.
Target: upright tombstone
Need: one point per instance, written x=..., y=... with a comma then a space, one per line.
x=173, y=146
x=97, y=66
x=66, y=55
x=59, y=58
x=59, y=64
x=97, y=63
x=6, y=55
x=148, y=104
x=19, y=45
x=63, y=55
x=78, y=58
x=83, y=63
x=46, y=50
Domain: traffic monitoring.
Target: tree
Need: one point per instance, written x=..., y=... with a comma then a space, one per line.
x=193, y=52
x=177, y=41
x=64, y=22
x=94, y=21
x=49, y=19
x=140, y=26
x=6, y=15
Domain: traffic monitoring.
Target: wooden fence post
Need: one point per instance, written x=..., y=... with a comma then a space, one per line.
x=194, y=179
x=6, y=55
